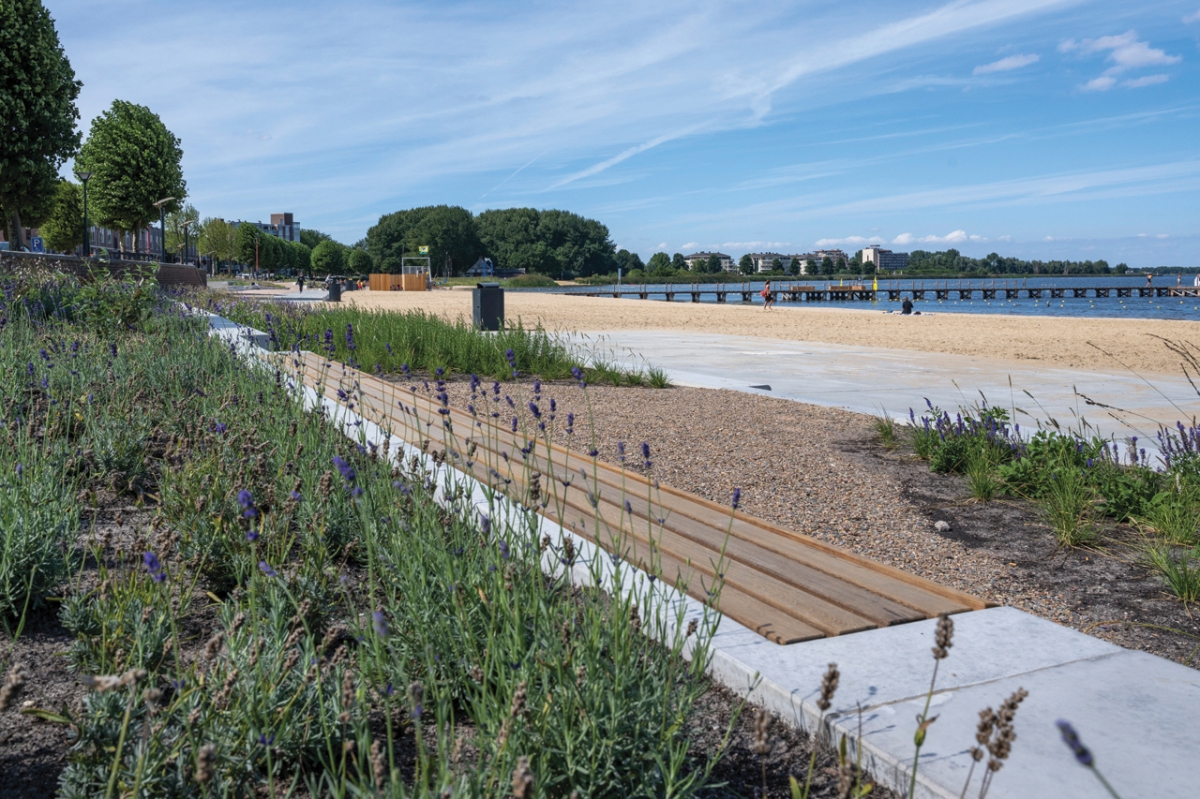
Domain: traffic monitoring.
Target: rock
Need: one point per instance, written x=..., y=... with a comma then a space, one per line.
x=941, y=526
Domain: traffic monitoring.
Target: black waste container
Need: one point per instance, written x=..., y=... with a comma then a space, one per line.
x=487, y=303
x=335, y=291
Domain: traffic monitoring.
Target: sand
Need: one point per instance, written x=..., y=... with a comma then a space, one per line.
x=1104, y=345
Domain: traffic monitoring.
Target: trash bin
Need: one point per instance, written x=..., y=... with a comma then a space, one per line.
x=487, y=302
x=335, y=291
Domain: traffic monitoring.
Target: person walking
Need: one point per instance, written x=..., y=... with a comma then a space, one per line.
x=768, y=296
x=300, y=282
x=1149, y=278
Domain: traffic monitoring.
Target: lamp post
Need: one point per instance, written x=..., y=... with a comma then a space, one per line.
x=185, y=226
x=84, y=177
x=162, y=225
x=210, y=269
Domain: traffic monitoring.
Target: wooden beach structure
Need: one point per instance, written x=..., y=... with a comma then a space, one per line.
x=786, y=586
x=801, y=292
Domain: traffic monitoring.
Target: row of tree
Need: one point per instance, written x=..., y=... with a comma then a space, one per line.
x=133, y=160
x=953, y=261
x=554, y=243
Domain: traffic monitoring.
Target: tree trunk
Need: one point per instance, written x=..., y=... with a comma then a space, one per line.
x=16, y=232
x=136, y=232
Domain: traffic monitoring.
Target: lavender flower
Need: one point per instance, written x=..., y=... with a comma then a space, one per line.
x=266, y=569
x=157, y=572
x=379, y=623
x=247, y=503
x=737, y=498
x=343, y=466
x=1071, y=739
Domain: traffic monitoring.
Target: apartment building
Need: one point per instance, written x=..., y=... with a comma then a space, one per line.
x=727, y=262
x=884, y=260
x=281, y=226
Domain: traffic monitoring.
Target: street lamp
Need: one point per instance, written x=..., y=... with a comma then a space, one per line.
x=185, y=226
x=84, y=177
x=211, y=264
x=162, y=225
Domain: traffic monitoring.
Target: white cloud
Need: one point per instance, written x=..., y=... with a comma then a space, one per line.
x=755, y=245
x=1100, y=84
x=1148, y=80
x=1163, y=236
x=661, y=246
x=1190, y=18
x=1006, y=64
x=953, y=237
x=691, y=245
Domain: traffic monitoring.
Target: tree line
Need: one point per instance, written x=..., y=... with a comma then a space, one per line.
x=994, y=264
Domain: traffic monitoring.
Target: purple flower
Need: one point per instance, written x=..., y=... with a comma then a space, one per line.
x=511, y=357
x=737, y=497
x=20, y=471
x=266, y=740
x=266, y=569
x=157, y=572
x=504, y=553
x=485, y=524
x=1071, y=739
x=252, y=534
x=570, y=423
x=380, y=623
x=404, y=368
x=343, y=466
x=247, y=503
x=535, y=410
x=621, y=451
x=296, y=496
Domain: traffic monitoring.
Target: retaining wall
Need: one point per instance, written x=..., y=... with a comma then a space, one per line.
x=166, y=274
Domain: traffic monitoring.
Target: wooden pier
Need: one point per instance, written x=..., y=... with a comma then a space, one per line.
x=798, y=292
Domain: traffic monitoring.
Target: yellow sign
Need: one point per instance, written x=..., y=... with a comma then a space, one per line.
x=423, y=250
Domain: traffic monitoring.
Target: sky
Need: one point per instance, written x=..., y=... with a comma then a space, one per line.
x=1034, y=128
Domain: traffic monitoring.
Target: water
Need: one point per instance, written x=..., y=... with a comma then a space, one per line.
x=1185, y=308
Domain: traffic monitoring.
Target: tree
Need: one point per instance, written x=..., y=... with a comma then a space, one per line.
x=659, y=264
x=551, y=242
x=776, y=265
x=218, y=237
x=358, y=262
x=713, y=266
x=303, y=256
x=746, y=265
x=327, y=258
x=827, y=265
x=63, y=228
x=135, y=162
x=449, y=232
x=794, y=266
x=37, y=112
x=247, y=250
x=175, y=230
x=1121, y=268
x=679, y=263
x=311, y=238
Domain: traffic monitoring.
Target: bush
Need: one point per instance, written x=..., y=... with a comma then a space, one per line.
x=530, y=281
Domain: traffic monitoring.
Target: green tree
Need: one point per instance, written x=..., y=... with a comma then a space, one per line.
x=555, y=243
x=679, y=263
x=327, y=258
x=776, y=265
x=746, y=265
x=659, y=264
x=827, y=267
x=713, y=266
x=247, y=249
x=135, y=162
x=311, y=238
x=449, y=232
x=794, y=266
x=175, y=230
x=63, y=228
x=358, y=262
x=1121, y=268
x=218, y=237
x=303, y=256
x=37, y=113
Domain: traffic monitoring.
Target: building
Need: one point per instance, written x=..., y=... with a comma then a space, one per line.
x=282, y=226
x=884, y=260
x=727, y=262
x=833, y=255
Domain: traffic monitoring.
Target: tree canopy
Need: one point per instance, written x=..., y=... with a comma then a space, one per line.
x=62, y=229
x=746, y=265
x=994, y=263
x=548, y=242
x=175, y=230
x=328, y=258
x=218, y=237
x=311, y=238
x=135, y=161
x=37, y=112
x=448, y=231
x=659, y=264
x=358, y=261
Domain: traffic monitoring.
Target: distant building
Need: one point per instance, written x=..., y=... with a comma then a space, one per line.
x=884, y=260
x=764, y=261
x=282, y=226
x=727, y=263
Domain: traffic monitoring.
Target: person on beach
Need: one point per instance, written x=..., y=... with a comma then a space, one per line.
x=768, y=297
x=906, y=306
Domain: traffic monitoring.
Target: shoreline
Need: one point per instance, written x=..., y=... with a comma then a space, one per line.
x=1097, y=344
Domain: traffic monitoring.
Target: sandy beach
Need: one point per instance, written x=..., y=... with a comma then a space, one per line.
x=1105, y=345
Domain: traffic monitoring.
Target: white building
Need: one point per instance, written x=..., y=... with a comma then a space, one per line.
x=727, y=264
x=884, y=259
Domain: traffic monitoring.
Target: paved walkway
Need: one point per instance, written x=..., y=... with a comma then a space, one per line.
x=868, y=379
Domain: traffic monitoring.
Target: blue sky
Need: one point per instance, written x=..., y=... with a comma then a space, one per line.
x=1040, y=128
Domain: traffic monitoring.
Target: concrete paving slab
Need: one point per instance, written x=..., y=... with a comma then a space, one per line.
x=1136, y=712
x=868, y=379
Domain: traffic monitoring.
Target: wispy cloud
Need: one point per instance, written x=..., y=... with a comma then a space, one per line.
x=1006, y=64
x=1125, y=52
x=1193, y=17
x=849, y=240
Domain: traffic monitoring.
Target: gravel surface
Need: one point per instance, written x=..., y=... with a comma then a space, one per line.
x=822, y=472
